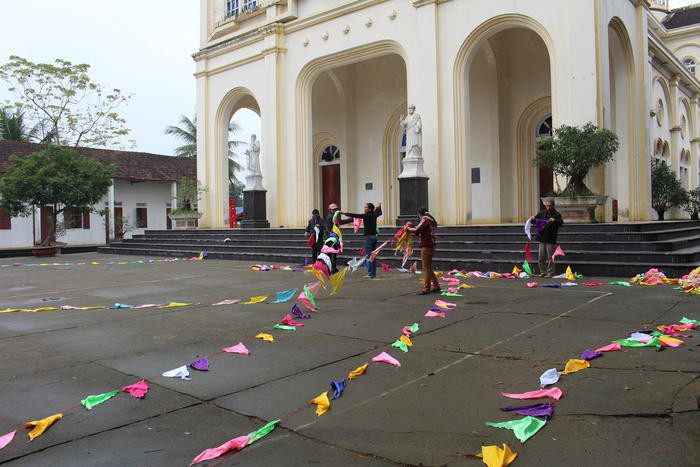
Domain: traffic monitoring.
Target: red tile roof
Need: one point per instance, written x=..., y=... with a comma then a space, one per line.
x=137, y=166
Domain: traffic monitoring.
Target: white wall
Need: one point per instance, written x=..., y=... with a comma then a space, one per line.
x=155, y=194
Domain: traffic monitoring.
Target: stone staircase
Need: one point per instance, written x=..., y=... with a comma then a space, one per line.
x=618, y=249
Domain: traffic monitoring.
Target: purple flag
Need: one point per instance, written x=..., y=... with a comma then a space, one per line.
x=590, y=355
x=202, y=364
x=539, y=225
x=298, y=313
x=545, y=410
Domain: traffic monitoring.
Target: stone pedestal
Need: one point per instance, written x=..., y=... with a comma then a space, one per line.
x=413, y=194
x=255, y=209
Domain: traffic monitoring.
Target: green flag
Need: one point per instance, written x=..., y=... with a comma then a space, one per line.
x=262, y=432
x=310, y=296
x=285, y=327
x=400, y=345
x=450, y=294
x=414, y=328
x=624, y=283
x=523, y=428
x=632, y=343
x=689, y=321
x=91, y=401
x=526, y=268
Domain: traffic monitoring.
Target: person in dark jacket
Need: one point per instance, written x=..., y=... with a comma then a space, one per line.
x=314, y=232
x=369, y=222
x=425, y=230
x=550, y=221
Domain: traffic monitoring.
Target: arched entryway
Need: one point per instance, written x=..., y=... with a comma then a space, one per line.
x=238, y=108
x=346, y=101
x=503, y=95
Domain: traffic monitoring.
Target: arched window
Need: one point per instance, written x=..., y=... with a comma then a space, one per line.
x=330, y=154
x=545, y=129
x=689, y=63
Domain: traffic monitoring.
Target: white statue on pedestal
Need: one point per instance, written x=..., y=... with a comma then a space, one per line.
x=254, y=177
x=413, y=162
x=413, y=126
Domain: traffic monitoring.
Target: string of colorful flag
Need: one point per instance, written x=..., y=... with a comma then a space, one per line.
x=200, y=257
x=536, y=416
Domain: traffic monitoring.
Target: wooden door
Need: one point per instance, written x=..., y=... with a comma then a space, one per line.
x=330, y=183
x=46, y=221
x=168, y=221
x=546, y=184
x=118, y=223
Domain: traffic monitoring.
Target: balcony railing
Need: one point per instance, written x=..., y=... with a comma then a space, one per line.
x=232, y=14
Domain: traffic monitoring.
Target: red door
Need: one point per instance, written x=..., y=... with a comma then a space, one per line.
x=118, y=223
x=330, y=182
x=46, y=221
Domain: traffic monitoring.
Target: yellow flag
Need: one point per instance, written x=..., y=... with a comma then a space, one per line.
x=265, y=337
x=336, y=231
x=322, y=403
x=406, y=340
x=259, y=299
x=40, y=426
x=319, y=275
x=516, y=271
x=46, y=308
x=9, y=310
x=201, y=256
x=570, y=274
x=465, y=286
x=357, y=371
x=174, y=304
x=574, y=365
x=337, y=280
x=494, y=456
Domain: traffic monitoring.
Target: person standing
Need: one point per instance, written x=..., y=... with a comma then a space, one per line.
x=369, y=222
x=425, y=230
x=547, y=236
x=314, y=232
x=328, y=224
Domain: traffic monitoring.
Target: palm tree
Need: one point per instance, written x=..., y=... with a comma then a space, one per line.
x=14, y=128
x=187, y=133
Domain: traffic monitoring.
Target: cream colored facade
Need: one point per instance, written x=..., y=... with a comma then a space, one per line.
x=486, y=78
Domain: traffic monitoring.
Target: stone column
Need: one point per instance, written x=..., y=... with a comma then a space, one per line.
x=110, y=214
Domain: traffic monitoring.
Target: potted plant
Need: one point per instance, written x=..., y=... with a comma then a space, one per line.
x=666, y=190
x=572, y=152
x=55, y=177
x=692, y=203
x=185, y=215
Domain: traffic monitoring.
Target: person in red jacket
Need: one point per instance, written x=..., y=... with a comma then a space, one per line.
x=426, y=231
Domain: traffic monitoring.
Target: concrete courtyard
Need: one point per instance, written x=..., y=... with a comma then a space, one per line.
x=636, y=407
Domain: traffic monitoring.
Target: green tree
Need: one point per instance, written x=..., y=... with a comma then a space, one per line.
x=187, y=133
x=574, y=151
x=55, y=177
x=666, y=190
x=14, y=128
x=692, y=204
x=62, y=100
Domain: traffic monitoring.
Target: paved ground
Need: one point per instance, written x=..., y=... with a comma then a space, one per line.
x=637, y=407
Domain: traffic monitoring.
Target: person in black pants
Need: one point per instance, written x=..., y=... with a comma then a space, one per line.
x=369, y=221
x=332, y=209
x=547, y=236
x=314, y=231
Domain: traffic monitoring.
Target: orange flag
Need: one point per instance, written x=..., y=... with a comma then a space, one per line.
x=322, y=403
x=40, y=426
x=357, y=371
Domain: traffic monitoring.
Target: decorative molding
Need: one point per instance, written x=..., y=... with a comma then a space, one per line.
x=305, y=42
x=393, y=15
x=325, y=35
x=346, y=29
x=368, y=23
x=331, y=13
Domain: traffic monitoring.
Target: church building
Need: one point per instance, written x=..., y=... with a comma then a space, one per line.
x=332, y=81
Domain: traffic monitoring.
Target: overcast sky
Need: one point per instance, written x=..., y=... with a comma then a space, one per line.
x=140, y=46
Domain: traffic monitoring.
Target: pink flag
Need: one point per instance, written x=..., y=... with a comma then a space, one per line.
x=305, y=300
x=235, y=444
x=290, y=322
x=385, y=357
x=228, y=302
x=532, y=284
x=558, y=252
x=374, y=254
x=356, y=223
x=554, y=393
x=137, y=390
x=314, y=288
x=238, y=348
x=7, y=439
x=413, y=267
x=610, y=347
x=386, y=267
x=432, y=314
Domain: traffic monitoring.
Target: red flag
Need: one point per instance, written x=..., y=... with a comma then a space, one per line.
x=528, y=252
